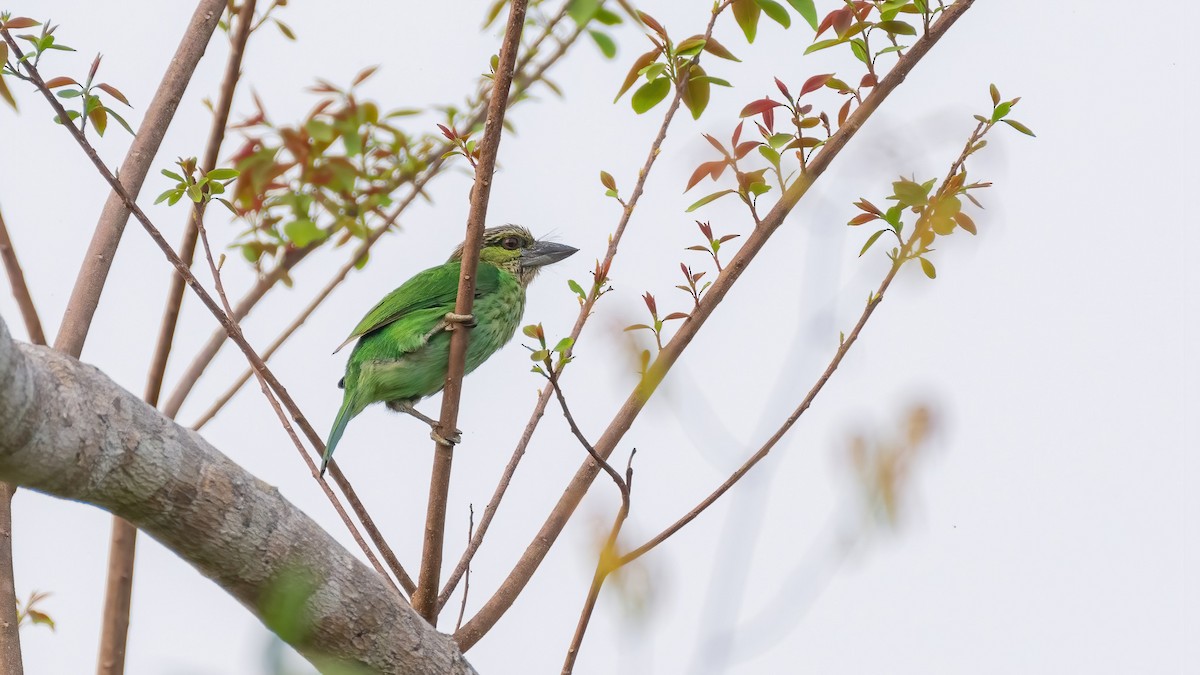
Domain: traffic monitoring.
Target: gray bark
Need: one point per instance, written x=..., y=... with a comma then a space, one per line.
x=69, y=431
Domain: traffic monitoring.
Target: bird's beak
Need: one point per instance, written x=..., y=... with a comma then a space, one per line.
x=544, y=253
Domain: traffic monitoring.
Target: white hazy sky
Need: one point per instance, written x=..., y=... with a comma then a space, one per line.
x=1052, y=526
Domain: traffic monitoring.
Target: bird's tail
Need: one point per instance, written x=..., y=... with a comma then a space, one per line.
x=349, y=409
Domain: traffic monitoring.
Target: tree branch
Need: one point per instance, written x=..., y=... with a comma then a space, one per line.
x=503, y=598
x=20, y=290
x=425, y=598
x=123, y=456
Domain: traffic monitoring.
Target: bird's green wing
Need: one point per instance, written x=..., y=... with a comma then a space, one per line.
x=435, y=287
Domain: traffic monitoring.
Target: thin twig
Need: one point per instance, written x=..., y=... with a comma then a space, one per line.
x=585, y=313
x=20, y=290
x=523, y=571
x=284, y=398
x=425, y=598
x=462, y=608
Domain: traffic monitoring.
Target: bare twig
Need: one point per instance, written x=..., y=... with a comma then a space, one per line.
x=462, y=608
x=284, y=398
x=10, y=636
x=425, y=598
x=499, y=603
x=20, y=290
x=585, y=313
x=608, y=554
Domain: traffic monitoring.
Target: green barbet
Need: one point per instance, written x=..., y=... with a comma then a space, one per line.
x=404, y=342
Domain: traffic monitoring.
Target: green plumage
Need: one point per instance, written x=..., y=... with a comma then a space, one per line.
x=403, y=344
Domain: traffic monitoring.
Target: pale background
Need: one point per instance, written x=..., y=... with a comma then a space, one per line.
x=1052, y=526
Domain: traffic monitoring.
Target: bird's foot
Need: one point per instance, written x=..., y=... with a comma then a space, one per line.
x=449, y=440
x=453, y=320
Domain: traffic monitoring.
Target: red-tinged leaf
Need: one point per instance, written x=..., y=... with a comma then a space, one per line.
x=363, y=75
x=744, y=149
x=842, y=20
x=711, y=169
x=737, y=133
x=716, y=144
x=862, y=219
x=814, y=83
x=727, y=237
x=95, y=67
x=717, y=49
x=702, y=249
x=964, y=221
x=637, y=326
x=868, y=207
x=607, y=180
x=652, y=24
x=114, y=92
x=4, y=92
x=20, y=22
x=844, y=112
x=995, y=95
x=639, y=63
x=674, y=316
x=56, y=82
x=783, y=89
x=450, y=135
x=705, y=229
x=869, y=80
x=826, y=23
x=759, y=107
x=650, y=304
x=862, y=8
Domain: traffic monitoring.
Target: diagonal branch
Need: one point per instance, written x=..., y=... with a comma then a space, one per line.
x=499, y=603
x=20, y=290
x=123, y=456
x=425, y=598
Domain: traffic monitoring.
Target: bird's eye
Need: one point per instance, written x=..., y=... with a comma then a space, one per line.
x=511, y=243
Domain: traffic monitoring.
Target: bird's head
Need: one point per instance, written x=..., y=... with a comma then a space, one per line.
x=513, y=248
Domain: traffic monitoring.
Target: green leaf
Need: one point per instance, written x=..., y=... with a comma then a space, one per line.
x=582, y=11
x=604, y=42
x=576, y=288
x=806, y=9
x=303, y=232
x=897, y=27
x=871, y=240
x=539, y=355
x=650, y=94
x=223, y=174
x=69, y=93
x=1001, y=111
x=120, y=120
x=823, y=44
x=710, y=198
x=747, y=13
x=1019, y=127
x=696, y=92
x=775, y=12
x=564, y=344
x=167, y=194
x=928, y=269
x=173, y=176
x=860, y=51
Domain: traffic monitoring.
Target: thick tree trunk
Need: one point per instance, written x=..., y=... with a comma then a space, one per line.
x=69, y=431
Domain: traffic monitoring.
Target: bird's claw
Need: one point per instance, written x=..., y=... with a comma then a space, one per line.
x=453, y=319
x=449, y=440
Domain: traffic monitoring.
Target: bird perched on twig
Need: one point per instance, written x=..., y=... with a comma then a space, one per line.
x=404, y=342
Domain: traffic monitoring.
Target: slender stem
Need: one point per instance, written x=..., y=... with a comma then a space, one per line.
x=10, y=637
x=537, y=550
x=585, y=313
x=20, y=290
x=462, y=608
x=425, y=598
